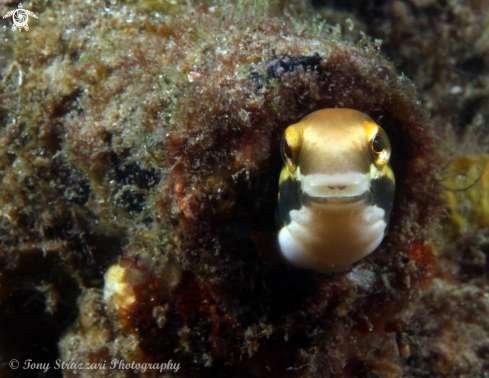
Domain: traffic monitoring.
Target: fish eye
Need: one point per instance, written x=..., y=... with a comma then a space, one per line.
x=290, y=146
x=379, y=144
x=286, y=150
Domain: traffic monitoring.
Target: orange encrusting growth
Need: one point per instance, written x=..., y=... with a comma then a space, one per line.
x=425, y=262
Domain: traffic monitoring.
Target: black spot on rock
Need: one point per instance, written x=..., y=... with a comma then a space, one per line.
x=133, y=174
x=277, y=67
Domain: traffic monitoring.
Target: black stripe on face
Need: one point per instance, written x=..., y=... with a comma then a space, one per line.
x=383, y=190
x=289, y=199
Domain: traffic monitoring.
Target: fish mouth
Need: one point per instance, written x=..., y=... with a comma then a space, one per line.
x=336, y=189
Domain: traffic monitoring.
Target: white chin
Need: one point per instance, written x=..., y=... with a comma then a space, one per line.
x=294, y=252
x=331, y=240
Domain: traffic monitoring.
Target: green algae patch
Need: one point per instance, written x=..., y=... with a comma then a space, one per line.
x=469, y=203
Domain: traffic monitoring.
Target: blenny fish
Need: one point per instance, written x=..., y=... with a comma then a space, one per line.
x=336, y=189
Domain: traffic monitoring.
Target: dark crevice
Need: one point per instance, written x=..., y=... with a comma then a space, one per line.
x=66, y=104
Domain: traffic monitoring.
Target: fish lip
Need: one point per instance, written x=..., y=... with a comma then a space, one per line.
x=336, y=200
x=356, y=187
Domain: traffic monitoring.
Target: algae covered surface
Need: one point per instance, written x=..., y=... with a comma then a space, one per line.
x=139, y=165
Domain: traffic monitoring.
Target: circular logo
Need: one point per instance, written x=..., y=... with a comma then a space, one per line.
x=20, y=18
x=14, y=364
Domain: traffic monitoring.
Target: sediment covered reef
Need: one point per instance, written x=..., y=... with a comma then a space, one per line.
x=139, y=165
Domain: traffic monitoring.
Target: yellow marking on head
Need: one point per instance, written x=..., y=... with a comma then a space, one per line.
x=286, y=173
x=371, y=129
x=291, y=146
x=377, y=172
